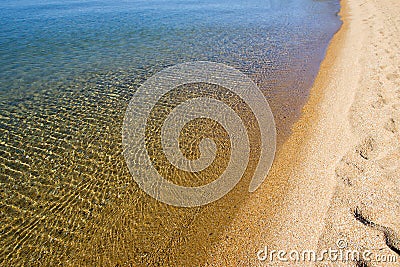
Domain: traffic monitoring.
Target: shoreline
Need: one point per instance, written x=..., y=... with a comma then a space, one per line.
x=306, y=202
x=278, y=229
x=301, y=219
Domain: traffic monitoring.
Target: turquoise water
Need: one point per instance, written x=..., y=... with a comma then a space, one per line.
x=67, y=72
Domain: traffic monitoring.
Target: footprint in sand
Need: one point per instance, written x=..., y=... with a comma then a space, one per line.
x=391, y=126
x=392, y=239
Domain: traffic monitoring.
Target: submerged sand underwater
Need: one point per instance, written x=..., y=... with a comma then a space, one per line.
x=67, y=196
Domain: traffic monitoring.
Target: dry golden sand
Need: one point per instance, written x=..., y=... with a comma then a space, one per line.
x=338, y=175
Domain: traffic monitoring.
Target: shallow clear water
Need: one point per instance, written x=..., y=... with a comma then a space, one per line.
x=67, y=73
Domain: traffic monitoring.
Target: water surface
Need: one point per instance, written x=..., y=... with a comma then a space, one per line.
x=67, y=72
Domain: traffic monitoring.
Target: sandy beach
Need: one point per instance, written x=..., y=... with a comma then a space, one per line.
x=336, y=182
x=71, y=68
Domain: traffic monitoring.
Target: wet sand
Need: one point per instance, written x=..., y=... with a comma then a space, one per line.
x=337, y=176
